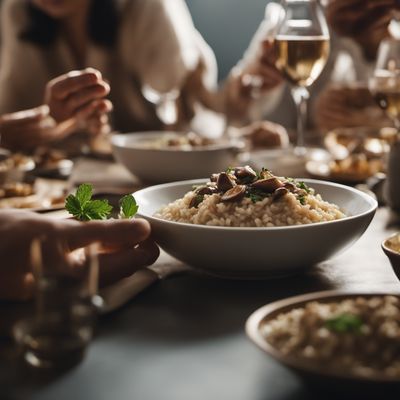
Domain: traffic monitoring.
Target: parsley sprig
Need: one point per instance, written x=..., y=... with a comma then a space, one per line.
x=345, y=323
x=81, y=206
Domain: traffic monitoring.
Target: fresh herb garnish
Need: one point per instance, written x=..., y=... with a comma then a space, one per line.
x=345, y=323
x=229, y=170
x=83, y=208
x=303, y=186
x=256, y=195
x=302, y=199
x=128, y=207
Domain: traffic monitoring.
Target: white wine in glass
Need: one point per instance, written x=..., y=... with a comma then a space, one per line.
x=301, y=59
x=302, y=45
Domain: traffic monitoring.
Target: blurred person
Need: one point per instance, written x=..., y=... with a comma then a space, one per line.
x=359, y=26
x=73, y=101
x=127, y=243
x=134, y=43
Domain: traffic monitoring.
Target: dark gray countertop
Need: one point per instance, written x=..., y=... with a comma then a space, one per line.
x=184, y=337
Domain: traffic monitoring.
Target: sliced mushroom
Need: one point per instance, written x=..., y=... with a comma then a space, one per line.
x=290, y=186
x=234, y=194
x=245, y=173
x=224, y=182
x=267, y=185
x=196, y=200
x=280, y=192
x=202, y=190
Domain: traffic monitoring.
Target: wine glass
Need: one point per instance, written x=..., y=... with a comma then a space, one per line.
x=302, y=47
x=165, y=103
x=384, y=85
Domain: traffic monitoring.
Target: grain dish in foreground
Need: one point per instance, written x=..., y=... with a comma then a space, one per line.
x=357, y=336
x=241, y=197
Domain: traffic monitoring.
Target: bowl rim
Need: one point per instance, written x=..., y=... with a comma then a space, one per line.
x=372, y=208
x=252, y=329
x=231, y=143
x=387, y=249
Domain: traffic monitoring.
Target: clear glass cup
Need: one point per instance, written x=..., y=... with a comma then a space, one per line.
x=302, y=45
x=58, y=333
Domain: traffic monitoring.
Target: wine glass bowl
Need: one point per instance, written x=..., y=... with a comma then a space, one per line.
x=384, y=84
x=302, y=46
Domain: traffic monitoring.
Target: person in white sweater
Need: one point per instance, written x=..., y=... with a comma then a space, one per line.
x=136, y=45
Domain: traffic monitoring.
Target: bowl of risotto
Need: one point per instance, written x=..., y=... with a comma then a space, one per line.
x=350, y=339
x=158, y=157
x=242, y=223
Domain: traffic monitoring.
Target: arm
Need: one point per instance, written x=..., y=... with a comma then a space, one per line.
x=74, y=100
x=365, y=21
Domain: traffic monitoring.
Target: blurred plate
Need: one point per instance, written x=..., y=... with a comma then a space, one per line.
x=48, y=195
x=322, y=170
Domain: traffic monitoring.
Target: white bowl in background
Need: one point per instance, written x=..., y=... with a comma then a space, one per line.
x=157, y=165
x=257, y=252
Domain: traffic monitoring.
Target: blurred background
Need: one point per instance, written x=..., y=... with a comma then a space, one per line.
x=210, y=19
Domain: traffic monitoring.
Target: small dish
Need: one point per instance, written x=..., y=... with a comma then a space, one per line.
x=166, y=164
x=254, y=252
x=391, y=247
x=284, y=162
x=45, y=195
x=317, y=373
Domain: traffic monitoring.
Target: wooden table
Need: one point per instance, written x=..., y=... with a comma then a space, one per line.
x=184, y=337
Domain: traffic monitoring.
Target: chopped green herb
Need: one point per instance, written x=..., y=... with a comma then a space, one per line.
x=345, y=323
x=303, y=186
x=83, y=208
x=128, y=207
x=302, y=200
x=229, y=170
x=256, y=195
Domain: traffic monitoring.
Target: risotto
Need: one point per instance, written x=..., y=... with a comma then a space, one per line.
x=357, y=335
x=241, y=197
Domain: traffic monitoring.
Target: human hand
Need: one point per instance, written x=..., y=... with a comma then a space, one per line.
x=78, y=94
x=341, y=106
x=126, y=243
x=259, y=75
x=31, y=128
x=364, y=21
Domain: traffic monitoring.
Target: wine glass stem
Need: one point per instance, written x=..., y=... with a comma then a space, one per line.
x=300, y=96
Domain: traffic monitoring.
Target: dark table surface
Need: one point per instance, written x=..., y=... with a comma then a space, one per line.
x=183, y=338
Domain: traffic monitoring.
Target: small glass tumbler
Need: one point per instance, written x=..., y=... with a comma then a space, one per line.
x=61, y=327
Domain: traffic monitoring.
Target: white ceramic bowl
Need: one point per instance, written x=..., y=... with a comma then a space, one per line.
x=257, y=252
x=168, y=164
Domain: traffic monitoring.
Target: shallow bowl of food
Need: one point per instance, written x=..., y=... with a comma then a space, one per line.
x=391, y=247
x=251, y=238
x=348, y=341
x=15, y=167
x=157, y=157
